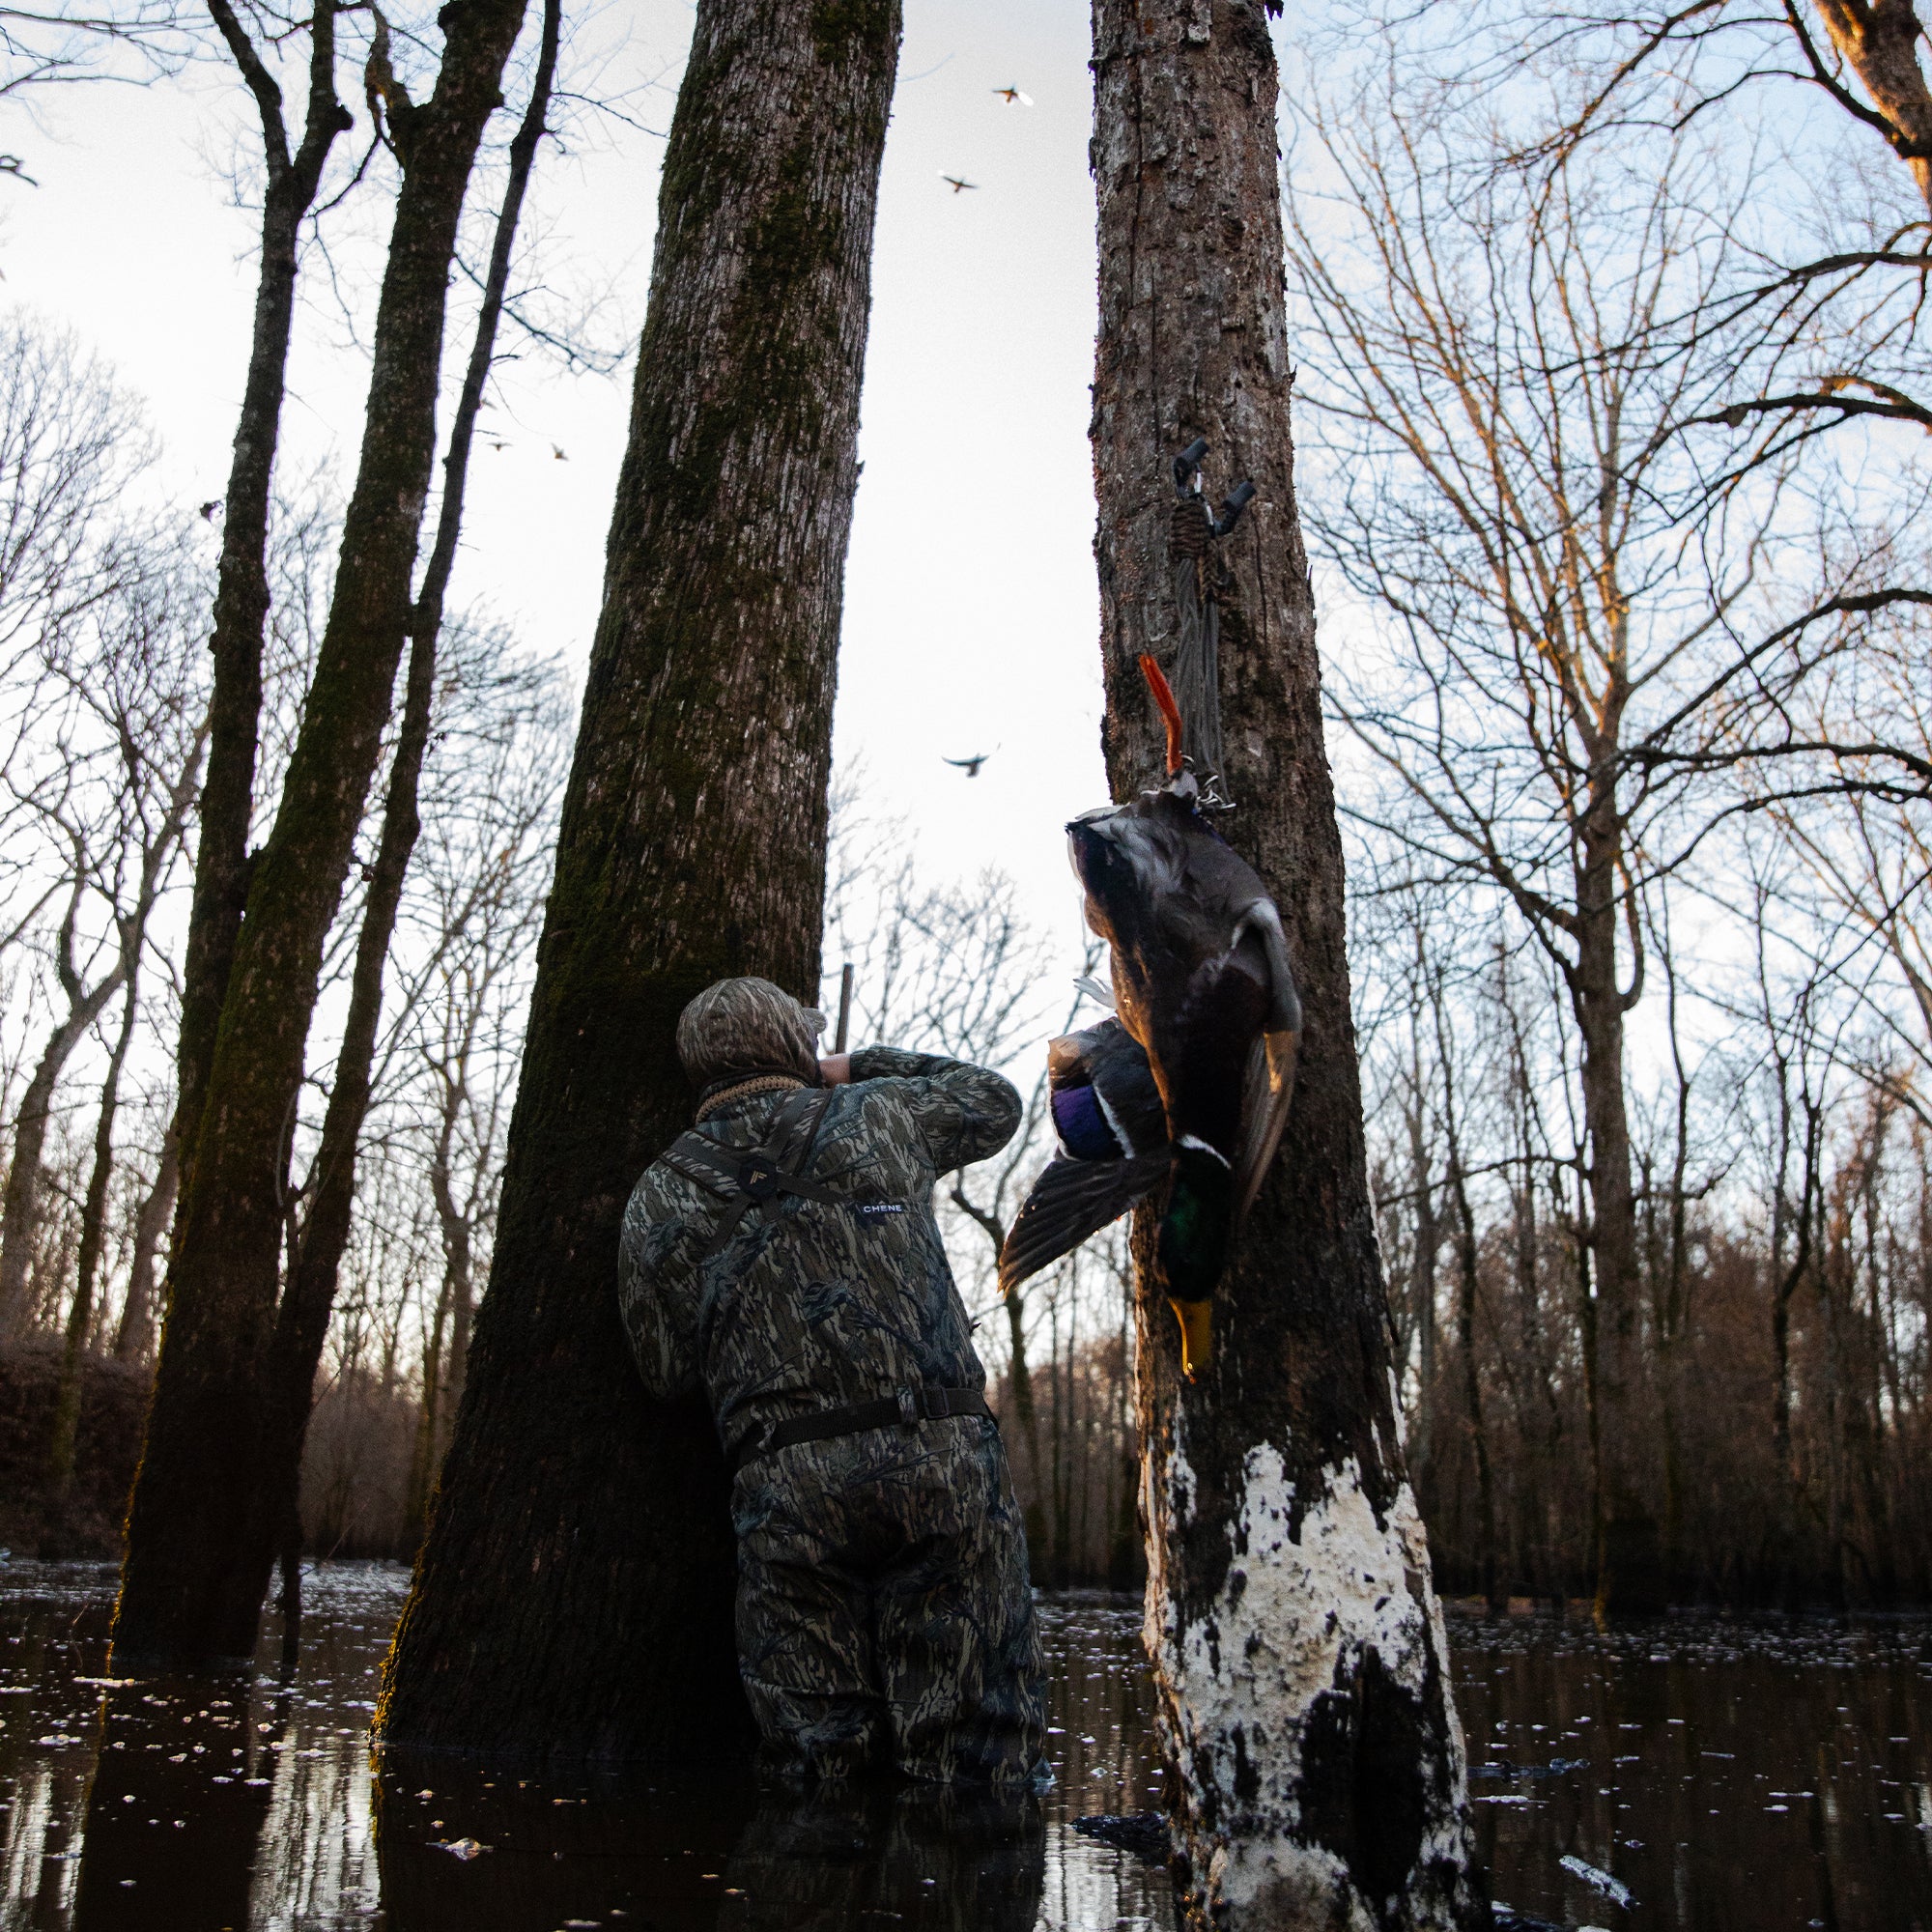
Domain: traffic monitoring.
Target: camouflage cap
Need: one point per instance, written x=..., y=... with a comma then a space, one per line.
x=747, y=1026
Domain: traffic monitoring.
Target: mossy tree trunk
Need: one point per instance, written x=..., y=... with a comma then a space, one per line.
x=574, y=1594
x=207, y=1510
x=242, y=579
x=301, y=1323
x=1298, y=1648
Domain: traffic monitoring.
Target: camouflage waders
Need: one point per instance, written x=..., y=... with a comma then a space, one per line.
x=884, y=1614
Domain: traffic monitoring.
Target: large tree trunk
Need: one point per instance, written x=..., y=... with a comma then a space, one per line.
x=203, y=1523
x=1299, y=1656
x=692, y=846
x=242, y=578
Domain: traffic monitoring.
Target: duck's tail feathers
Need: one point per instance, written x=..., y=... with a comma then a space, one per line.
x=1268, y=1089
x=1071, y=1199
x=1267, y=1095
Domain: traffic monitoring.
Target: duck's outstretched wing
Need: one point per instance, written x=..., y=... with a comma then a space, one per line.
x=1268, y=1089
x=1071, y=1199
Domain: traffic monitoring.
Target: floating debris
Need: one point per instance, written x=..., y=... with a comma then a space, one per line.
x=465, y=1848
x=1144, y=1833
x=1614, y=1889
x=1504, y=1767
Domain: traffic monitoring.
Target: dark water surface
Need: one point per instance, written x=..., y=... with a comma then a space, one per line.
x=1748, y=1773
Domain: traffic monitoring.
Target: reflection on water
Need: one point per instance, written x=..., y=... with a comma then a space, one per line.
x=197, y=1805
x=672, y=1858
x=1725, y=1771
x=1722, y=1773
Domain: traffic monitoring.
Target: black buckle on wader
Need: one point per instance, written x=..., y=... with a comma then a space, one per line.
x=760, y=1179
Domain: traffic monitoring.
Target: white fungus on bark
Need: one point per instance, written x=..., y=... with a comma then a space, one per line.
x=1300, y=1606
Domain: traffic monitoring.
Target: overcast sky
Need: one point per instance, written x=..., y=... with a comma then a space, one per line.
x=971, y=612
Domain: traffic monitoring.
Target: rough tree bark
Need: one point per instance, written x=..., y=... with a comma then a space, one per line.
x=242, y=578
x=1879, y=40
x=201, y=1524
x=1299, y=1649
x=692, y=846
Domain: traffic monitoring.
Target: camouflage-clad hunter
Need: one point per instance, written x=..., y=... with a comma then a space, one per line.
x=783, y=1255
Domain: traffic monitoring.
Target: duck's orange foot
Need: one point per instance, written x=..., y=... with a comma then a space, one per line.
x=1197, y=1325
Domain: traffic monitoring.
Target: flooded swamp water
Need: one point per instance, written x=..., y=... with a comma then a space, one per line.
x=1695, y=1772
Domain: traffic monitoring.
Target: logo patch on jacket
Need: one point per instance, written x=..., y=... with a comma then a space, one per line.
x=873, y=1211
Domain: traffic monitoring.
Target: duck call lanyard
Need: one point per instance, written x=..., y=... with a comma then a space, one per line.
x=762, y=1176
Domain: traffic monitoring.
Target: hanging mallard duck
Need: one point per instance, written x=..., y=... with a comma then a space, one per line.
x=1191, y=1081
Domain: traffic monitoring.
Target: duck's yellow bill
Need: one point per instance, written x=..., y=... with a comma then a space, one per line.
x=1197, y=1337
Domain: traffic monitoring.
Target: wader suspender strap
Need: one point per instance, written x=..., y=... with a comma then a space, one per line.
x=761, y=1175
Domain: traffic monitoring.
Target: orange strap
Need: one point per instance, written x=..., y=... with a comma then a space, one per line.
x=1169, y=710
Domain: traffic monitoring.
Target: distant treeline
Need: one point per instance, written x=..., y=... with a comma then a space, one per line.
x=1782, y=1427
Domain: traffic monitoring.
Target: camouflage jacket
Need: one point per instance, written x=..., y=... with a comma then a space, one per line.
x=827, y=1304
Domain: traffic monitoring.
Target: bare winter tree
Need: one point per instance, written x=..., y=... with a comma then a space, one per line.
x=1563, y=660
x=209, y=1504
x=1821, y=305
x=71, y=443
x=292, y=181
x=472, y=919
x=130, y=679
x=106, y=722
x=303, y=1317
x=1862, y=886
